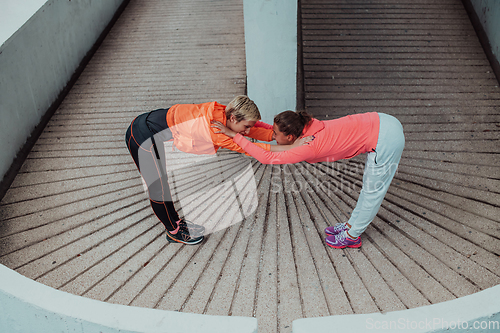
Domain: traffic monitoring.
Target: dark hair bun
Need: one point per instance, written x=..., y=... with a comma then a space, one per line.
x=305, y=117
x=291, y=122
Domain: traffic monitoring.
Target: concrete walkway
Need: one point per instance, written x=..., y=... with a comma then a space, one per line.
x=77, y=219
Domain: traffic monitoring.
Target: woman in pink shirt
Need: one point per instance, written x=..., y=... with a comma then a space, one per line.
x=377, y=134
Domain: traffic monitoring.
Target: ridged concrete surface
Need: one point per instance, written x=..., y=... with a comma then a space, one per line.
x=76, y=217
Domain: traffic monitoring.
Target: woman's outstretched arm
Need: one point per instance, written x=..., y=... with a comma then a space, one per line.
x=279, y=154
x=274, y=148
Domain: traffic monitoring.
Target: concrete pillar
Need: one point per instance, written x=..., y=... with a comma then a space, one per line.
x=271, y=55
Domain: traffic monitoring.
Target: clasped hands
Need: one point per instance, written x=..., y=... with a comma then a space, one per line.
x=222, y=129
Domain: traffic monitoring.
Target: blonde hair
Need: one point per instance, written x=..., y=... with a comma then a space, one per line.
x=243, y=108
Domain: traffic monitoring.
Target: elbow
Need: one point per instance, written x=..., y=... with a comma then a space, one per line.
x=264, y=160
x=269, y=161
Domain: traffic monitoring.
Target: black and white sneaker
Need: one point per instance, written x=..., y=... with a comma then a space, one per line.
x=195, y=230
x=185, y=235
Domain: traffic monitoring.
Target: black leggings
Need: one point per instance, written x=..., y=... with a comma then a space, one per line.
x=145, y=137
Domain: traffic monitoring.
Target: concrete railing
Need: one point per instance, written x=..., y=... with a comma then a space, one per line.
x=479, y=312
x=484, y=15
x=38, y=60
x=27, y=306
x=488, y=12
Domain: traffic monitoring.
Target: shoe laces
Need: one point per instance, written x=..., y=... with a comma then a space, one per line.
x=192, y=229
x=340, y=237
x=340, y=226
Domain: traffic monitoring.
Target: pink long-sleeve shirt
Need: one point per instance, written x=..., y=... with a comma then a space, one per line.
x=334, y=140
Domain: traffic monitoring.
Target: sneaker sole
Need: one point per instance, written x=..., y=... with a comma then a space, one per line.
x=344, y=246
x=173, y=240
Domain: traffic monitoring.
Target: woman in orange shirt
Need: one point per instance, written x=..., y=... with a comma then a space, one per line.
x=188, y=125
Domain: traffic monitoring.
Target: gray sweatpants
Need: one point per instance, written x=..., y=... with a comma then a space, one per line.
x=379, y=170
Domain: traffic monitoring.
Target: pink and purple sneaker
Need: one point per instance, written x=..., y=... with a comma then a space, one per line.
x=340, y=241
x=336, y=229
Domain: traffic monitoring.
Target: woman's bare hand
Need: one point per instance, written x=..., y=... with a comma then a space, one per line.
x=222, y=129
x=303, y=141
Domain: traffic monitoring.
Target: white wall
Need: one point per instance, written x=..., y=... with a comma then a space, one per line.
x=38, y=59
x=271, y=55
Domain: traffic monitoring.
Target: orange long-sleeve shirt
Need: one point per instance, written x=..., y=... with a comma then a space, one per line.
x=191, y=128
